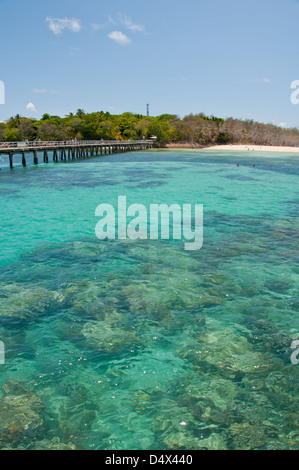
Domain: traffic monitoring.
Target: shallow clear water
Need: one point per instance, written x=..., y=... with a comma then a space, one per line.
x=140, y=344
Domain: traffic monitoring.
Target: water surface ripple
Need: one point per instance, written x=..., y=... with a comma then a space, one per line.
x=140, y=344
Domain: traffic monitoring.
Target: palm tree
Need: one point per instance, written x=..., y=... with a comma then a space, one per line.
x=80, y=113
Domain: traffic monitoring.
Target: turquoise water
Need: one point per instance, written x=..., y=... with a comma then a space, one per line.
x=127, y=344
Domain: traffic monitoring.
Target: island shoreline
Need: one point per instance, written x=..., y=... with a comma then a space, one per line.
x=233, y=147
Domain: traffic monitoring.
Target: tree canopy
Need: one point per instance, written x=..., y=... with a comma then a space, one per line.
x=195, y=128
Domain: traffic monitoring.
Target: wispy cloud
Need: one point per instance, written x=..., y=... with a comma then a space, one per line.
x=74, y=50
x=261, y=80
x=43, y=91
x=119, y=37
x=57, y=25
x=127, y=21
x=39, y=90
x=96, y=26
x=111, y=20
x=120, y=21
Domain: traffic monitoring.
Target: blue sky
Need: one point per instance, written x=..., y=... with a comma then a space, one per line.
x=228, y=58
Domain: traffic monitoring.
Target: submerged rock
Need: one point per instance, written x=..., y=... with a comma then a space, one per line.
x=178, y=428
x=165, y=302
x=141, y=401
x=25, y=301
x=214, y=278
x=53, y=444
x=94, y=298
x=222, y=350
x=20, y=420
x=278, y=286
x=214, y=442
x=107, y=338
x=246, y=436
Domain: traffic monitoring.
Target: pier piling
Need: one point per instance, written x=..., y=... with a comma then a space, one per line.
x=69, y=150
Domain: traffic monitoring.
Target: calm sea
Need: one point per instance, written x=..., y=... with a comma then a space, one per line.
x=140, y=344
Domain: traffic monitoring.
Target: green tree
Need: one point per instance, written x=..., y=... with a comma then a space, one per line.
x=223, y=138
x=27, y=128
x=2, y=131
x=159, y=129
x=13, y=135
x=80, y=113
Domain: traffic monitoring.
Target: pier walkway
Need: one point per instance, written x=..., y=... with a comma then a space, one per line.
x=69, y=150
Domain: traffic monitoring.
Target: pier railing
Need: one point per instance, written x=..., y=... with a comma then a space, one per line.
x=66, y=143
x=70, y=149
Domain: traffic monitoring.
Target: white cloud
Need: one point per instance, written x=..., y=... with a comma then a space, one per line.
x=39, y=90
x=119, y=37
x=57, y=25
x=96, y=26
x=121, y=20
x=261, y=80
x=128, y=23
x=282, y=124
x=43, y=91
x=111, y=20
x=30, y=107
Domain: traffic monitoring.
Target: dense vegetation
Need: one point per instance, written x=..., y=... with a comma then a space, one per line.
x=197, y=128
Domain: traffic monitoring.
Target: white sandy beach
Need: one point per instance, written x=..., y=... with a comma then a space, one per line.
x=231, y=147
x=258, y=148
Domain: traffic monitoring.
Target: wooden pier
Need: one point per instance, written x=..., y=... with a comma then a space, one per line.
x=69, y=150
